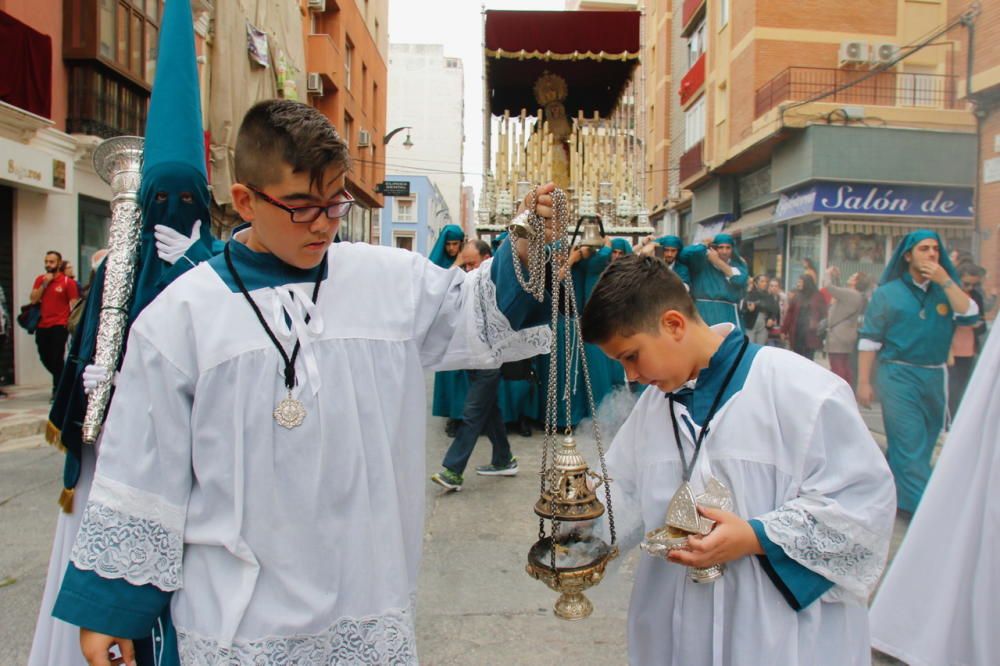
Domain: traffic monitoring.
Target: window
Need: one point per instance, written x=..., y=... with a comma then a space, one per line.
x=348, y=62
x=723, y=13
x=406, y=209
x=348, y=129
x=152, y=36
x=136, y=45
x=107, y=29
x=364, y=87
x=919, y=86
x=403, y=240
x=696, y=44
x=694, y=124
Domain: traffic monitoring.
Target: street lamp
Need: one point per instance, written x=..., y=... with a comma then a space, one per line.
x=407, y=142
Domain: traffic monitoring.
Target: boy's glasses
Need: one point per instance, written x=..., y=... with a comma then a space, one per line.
x=309, y=214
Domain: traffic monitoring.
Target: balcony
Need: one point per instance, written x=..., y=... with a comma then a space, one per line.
x=690, y=10
x=691, y=162
x=103, y=103
x=896, y=89
x=693, y=80
x=323, y=56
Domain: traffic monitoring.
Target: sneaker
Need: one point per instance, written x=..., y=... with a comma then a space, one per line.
x=448, y=479
x=510, y=469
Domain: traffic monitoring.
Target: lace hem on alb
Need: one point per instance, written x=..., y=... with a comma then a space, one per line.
x=846, y=554
x=131, y=534
x=387, y=639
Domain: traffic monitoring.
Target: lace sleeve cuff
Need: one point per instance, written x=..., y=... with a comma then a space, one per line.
x=845, y=553
x=132, y=534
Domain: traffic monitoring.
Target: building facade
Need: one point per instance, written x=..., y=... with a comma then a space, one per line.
x=820, y=131
x=427, y=94
x=347, y=80
x=50, y=196
x=413, y=222
x=983, y=90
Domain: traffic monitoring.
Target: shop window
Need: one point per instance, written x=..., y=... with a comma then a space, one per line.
x=94, y=220
x=804, y=243
x=854, y=252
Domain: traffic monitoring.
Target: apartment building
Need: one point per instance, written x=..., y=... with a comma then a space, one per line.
x=820, y=130
x=346, y=45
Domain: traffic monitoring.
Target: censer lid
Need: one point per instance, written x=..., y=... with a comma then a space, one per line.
x=569, y=497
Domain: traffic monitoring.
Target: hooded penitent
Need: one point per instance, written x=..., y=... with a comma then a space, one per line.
x=898, y=266
x=173, y=192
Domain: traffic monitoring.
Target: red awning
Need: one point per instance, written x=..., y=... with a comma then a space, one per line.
x=594, y=51
x=562, y=32
x=26, y=75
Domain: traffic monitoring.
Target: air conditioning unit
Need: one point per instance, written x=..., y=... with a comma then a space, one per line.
x=314, y=84
x=854, y=53
x=884, y=53
x=317, y=5
x=364, y=139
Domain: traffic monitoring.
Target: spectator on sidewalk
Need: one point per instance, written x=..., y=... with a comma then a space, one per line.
x=801, y=323
x=966, y=344
x=57, y=294
x=843, y=318
x=774, y=335
x=760, y=310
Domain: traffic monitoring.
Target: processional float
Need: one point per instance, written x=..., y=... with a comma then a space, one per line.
x=576, y=73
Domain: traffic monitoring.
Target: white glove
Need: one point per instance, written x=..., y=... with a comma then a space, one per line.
x=172, y=244
x=92, y=376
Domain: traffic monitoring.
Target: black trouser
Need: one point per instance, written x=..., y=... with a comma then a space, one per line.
x=958, y=378
x=51, y=344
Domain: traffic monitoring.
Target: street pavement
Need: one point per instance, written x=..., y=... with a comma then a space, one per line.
x=475, y=603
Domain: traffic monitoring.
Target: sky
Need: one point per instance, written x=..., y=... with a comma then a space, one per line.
x=458, y=25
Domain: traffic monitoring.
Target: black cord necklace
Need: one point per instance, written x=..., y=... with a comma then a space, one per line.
x=289, y=413
x=913, y=290
x=699, y=440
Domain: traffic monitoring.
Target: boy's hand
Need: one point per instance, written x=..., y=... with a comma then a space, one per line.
x=866, y=395
x=96, y=649
x=730, y=539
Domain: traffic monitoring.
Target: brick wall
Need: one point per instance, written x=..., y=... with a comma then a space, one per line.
x=861, y=16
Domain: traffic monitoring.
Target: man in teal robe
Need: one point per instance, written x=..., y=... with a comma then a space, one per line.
x=718, y=277
x=450, y=387
x=908, y=328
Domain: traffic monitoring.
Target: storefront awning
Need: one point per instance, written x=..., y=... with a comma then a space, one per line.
x=900, y=228
x=594, y=51
x=754, y=223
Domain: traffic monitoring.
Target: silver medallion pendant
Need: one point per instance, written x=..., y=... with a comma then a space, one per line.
x=290, y=413
x=923, y=314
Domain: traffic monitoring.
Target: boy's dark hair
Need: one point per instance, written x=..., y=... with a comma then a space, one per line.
x=280, y=130
x=631, y=295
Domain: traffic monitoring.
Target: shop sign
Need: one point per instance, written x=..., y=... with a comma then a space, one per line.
x=28, y=167
x=991, y=171
x=954, y=203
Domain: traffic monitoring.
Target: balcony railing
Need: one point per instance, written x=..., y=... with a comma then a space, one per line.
x=691, y=162
x=102, y=103
x=899, y=89
x=688, y=11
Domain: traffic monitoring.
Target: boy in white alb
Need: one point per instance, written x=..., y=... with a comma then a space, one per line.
x=812, y=497
x=262, y=465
